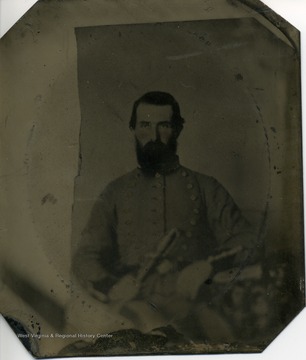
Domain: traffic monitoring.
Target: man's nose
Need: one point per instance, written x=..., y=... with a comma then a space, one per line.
x=154, y=133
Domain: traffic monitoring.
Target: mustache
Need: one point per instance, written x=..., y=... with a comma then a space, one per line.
x=156, y=146
x=151, y=144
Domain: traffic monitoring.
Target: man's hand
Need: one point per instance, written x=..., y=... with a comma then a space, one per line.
x=125, y=289
x=95, y=293
x=191, y=278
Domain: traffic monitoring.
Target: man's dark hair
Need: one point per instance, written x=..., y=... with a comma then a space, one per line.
x=159, y=98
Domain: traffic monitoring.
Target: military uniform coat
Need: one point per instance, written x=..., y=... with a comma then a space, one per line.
x=136, y=210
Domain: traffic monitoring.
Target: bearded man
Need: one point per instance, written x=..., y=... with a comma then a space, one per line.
x=161, y=232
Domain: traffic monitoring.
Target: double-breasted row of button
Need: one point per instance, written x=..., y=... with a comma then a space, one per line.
x=195, y=199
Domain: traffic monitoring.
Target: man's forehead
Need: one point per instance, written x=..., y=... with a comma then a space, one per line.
x=154, y=112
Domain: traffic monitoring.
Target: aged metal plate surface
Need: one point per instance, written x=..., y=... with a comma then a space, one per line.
x=152, y=177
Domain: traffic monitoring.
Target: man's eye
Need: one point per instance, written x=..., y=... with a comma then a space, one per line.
x=145, y=124
x=166, y=125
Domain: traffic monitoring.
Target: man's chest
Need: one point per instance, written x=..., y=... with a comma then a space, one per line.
x=149, y=207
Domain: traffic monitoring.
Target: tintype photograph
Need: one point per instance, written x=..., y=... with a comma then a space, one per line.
x=163, y=179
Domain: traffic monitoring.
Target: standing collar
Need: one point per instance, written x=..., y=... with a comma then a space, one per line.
x=164, y=168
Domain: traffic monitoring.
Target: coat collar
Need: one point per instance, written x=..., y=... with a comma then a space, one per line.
x=164, y=168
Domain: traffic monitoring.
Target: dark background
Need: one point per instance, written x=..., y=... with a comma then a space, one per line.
x=236, y=84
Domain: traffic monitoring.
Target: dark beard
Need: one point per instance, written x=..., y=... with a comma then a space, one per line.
x=155, y=155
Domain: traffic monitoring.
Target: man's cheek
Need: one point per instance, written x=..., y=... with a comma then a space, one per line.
x=164, y=140
x=143, y=139
x=165, y=137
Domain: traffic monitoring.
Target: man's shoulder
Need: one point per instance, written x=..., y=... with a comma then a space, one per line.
x=113, y=190
x=121, y=181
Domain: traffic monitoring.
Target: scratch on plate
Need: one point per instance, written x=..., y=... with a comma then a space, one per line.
x=186, y=86
x=184, y=56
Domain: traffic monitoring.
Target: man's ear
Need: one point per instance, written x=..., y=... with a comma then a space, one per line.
x=177, y=130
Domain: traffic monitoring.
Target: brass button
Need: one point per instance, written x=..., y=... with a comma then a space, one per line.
x=193, y=222
x=189, y=234
x=196, y=211
x=193, y=197
x=159, y=185
x=184, y=173
x=189, y=186
x=157, y=175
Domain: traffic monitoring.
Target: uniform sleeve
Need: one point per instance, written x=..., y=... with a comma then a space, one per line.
x=227, y=224
x=96, y=252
